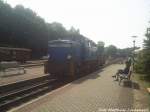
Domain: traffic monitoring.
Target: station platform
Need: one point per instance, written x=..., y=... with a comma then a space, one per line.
x=93, y=93
x=31, y=72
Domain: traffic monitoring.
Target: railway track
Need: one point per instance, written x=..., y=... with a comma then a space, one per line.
x=17, y=93
x=13, y=94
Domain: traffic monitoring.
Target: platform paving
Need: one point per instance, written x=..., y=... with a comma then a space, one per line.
x=97, y=92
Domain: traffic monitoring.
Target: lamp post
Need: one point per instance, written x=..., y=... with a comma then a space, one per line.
x=134, y=42
x=134, y=37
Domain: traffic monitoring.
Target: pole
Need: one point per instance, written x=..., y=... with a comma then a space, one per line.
x=133, y=50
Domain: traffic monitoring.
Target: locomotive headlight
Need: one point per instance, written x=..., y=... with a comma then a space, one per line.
x=69, y=56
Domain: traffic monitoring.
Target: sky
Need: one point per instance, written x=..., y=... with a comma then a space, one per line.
x=111, y=21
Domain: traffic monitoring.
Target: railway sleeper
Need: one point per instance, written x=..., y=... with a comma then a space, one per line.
x=18, y=100
x=18, y=85
x=27, y=89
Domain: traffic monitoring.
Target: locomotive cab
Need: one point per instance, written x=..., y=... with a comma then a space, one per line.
x=63, y=56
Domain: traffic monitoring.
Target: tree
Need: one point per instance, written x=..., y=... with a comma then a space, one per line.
x=111, y=51
x=22, y=27
x=146, y=53
x=143, y=59
x=124, y=52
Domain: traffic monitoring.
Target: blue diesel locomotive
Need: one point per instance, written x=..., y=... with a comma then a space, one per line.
x=71, y=58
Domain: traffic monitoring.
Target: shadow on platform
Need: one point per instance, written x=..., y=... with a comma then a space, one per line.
x=93, y=75
x=130, y=84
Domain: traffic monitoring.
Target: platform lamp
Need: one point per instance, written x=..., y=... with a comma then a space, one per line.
x=134, y=37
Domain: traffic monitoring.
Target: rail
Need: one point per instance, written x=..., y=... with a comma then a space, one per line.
x=16, y=93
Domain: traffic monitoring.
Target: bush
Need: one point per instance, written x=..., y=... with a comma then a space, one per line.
x=139, y=65
x=143, y=60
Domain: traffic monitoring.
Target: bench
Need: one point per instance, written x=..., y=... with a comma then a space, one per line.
x=124, y=77
x=11, y=66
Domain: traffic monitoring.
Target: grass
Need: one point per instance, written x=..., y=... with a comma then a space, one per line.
x=144, y=80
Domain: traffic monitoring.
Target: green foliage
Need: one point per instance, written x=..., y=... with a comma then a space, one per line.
x=111, y=51
x=139, y=65
x=22, y=27
x=143, y=59
x=125, y=52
